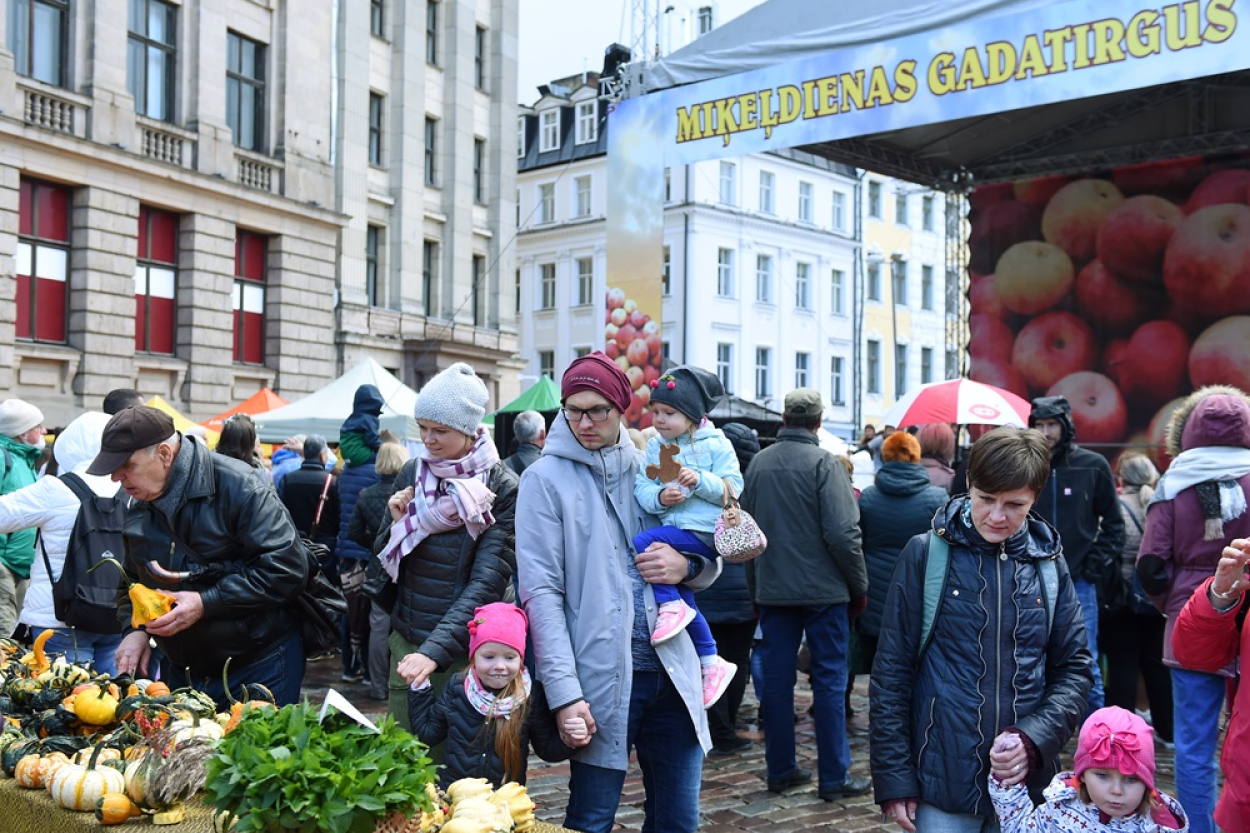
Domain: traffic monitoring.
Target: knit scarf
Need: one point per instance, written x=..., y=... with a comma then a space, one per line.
x=488, y=703
x=450, y=494
x=1213, y=472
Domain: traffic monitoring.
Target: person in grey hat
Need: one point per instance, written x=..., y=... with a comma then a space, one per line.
x=21, y=442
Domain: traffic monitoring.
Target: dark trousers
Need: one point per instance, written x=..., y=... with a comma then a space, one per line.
x=1133, y=644
x=688, y=542
x=734, y=641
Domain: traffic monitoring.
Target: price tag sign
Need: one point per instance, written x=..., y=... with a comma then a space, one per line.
x=337, y=701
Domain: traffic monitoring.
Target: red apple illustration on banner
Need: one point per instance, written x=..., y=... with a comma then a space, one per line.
x=1053, y=346
x=1152, y=366
x=1099, y=414
x=1157, y=433
x=1207, y=265
x=1226, y=187
x=1032, y=277
x=1221, y=355
x=1111, y=304
x=632, y=340
x=1132, y=239
x=1075, y=212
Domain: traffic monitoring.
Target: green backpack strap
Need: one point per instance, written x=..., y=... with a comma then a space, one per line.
x=1050, y=590
x=936, y=562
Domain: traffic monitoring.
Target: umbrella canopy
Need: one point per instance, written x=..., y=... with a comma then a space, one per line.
x=182, y=423
x=959, y=401
x=258, y=403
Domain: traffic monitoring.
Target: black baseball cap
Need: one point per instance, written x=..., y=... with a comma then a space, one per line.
x=127, y=432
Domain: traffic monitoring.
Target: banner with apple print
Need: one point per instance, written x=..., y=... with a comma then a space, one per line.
x=1123, y=290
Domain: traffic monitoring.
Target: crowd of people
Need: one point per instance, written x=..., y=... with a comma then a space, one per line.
x=576, y=599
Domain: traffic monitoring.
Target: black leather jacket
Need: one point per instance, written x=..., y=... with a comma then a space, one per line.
x=233, y=532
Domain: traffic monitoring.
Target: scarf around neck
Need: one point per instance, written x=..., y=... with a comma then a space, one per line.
x=1213, y=471
x=449, y=494
x=488, y=703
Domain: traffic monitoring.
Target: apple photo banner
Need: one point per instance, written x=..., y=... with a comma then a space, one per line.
x=1123, y=290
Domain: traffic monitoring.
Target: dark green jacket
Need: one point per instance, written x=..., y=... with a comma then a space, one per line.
x=17, y=471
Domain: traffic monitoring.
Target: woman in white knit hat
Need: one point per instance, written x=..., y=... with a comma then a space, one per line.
x=449, y=548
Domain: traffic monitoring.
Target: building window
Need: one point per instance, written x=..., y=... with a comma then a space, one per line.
x=952, y=364
x=898, y=273
x=705, y=19
x=900, y=370
x=38, y=35
x=805, y=202
x=156, y=276
x=668, y=185
x=549, y=131
x=547, y=285
x=245, y=92
x=42, y=260
x=431, y=32
x=874, y=200
x=837, y=380
x=547, y=203
x=874, y=282
x=587, y=122
x=900, y=208
x=926, y=287
x=728, y=183
x=431, y=151
x=666, y=272
x=874, y=367
x=520, y=136
x=725, y=273
x=802, y=297
x=547, y=364
x=837, y=289
x=763, y=367
x=377, y=17
x=578, y=352
x=926, y=365
x=251, y=250
x=479, y=170
x=926, y=213
x=724, y=365
x=479, y=277
x=585, y=280
x=768, y=183
x=764, y=279
x=373, y=252
x=839, y=211
x=479, y=58
x=150, y=54
x=375, y=129
x=429, y=273
x=581, y=190
x=516, y=292
x=802, y=366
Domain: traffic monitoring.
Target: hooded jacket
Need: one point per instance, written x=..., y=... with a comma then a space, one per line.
x=359, y=442
x=1080, y=499
x=898, y=506
x=53, y=507
x=713, y=458
x=1174, y=558
x=366, y=408
x=17, y=471
x=577, y=518
x=1065, y=812
x=990, y=664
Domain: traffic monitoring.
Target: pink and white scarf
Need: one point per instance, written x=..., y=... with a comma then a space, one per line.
x=488, y=703
x=449, y=494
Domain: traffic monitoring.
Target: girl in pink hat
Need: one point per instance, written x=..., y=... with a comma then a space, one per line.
x=1112, y=786
x=489, y=715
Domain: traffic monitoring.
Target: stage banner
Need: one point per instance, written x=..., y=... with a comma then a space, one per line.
x=1054, y=52
x=1123, y=290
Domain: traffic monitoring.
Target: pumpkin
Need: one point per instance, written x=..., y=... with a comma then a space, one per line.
x=195, y=728
x=80, y=788
x=108, y=753
x=157, y=688
x=138, y=780
x=147, y=604
x=115, y=808
x=96, y=706
x=29, y=772
x=37, y=660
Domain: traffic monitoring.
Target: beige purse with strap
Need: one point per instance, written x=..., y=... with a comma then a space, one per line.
x=738, y=537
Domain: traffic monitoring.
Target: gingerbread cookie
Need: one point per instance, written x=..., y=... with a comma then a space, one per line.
x=669, y=468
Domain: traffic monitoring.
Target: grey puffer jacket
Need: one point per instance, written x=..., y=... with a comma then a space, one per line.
x=449, y=575
x=990, y=664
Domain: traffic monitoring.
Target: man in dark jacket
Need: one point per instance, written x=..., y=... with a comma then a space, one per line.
x=359, y=441
x=531, y=432
x=1080, y=501
x=301, y=492
x=812, y=576
x=209, y=532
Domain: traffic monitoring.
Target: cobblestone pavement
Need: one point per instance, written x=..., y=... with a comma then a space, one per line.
x=734, y=796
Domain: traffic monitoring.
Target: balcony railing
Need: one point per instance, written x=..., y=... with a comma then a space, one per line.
x=257, y=173
x=167, y=144
x=50, y=110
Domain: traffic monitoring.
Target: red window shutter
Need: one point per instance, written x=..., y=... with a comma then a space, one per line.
x=53, y=208
x=163, y=236
x=26, y=208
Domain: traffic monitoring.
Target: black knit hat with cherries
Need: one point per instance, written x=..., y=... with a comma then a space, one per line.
x=691, y=390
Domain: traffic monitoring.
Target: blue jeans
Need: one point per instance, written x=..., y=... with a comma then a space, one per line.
x=81, y=647
x=281, y=670
x=682, y=541
x=669, y=756
x=1087, y=595
x=828, y=630
x=1197, y=698
x=930, y=819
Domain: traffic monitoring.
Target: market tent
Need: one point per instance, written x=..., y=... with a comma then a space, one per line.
x=323, y=411
x=542, y=396
x=263, y=401
x=182, y=423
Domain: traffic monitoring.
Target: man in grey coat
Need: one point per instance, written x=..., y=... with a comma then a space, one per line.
x=810, y=581
x=591, y=610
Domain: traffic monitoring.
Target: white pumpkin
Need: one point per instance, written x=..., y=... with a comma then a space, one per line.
x=78, y=788
x=195, y=728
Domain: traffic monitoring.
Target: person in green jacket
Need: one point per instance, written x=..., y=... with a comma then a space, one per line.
x=21, y=441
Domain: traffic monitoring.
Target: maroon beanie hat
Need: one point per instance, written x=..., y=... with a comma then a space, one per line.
x=596, y=372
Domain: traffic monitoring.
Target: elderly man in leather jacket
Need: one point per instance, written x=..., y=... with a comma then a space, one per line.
x=211, y=532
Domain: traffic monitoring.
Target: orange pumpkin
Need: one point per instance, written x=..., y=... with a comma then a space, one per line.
x=115, y=808
x=157, y=688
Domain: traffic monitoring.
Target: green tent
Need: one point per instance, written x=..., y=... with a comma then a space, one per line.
x=542, y=396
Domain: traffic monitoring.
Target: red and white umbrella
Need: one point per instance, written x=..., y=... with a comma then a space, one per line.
x=959, y=401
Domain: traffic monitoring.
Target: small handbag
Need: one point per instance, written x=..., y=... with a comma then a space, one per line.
x=738, y=537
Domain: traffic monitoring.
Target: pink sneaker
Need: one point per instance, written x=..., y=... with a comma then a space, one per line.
x=716, y=679
x=673, y=618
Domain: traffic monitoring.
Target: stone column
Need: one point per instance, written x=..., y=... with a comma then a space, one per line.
x=205, y=319
x=10, y=179
x=299, y=312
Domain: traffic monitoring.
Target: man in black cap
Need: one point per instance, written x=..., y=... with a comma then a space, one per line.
x=206, y=531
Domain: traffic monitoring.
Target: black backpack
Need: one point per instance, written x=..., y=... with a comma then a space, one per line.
x=89, y=600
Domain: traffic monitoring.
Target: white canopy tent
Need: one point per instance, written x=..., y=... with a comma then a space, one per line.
x=323, y=411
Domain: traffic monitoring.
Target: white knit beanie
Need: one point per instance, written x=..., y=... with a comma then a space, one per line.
x=18, y=417
x=455, y=398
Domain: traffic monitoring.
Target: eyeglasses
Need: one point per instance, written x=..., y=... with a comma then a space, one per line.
x=599, y=414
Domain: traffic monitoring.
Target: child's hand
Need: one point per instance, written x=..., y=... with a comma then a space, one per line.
x=1009, y=760
x=671, y=496
x=688, y=477
x=575, y=728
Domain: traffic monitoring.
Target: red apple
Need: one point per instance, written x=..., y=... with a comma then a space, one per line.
x=1099, y=414
x=1157, y=433
x=1231, y=185
x=644, y=422
x=1038, y=191
x=638, y=353
x=1221, y=355
x=1207, y=265
x=612, y=349
x=997, y=228
x=654, y=345
x=630, y=305
x=1073, y=215
x=657, y=359
x=1133, y=238
x=999, y=373
x=651, y=327
x=638, y=318
x=1111, y=304
x=611, y=331
x=989, y=338
x=649, y=375
x=983, y=298
x=1151, y=369
x=1032, y=277
x=1053, y=346
x=987, y=195
x=619, y=317
x=625, y=336
x=616, y=298
x=1167, y=177
x=1113, y=354
x=634, y=375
